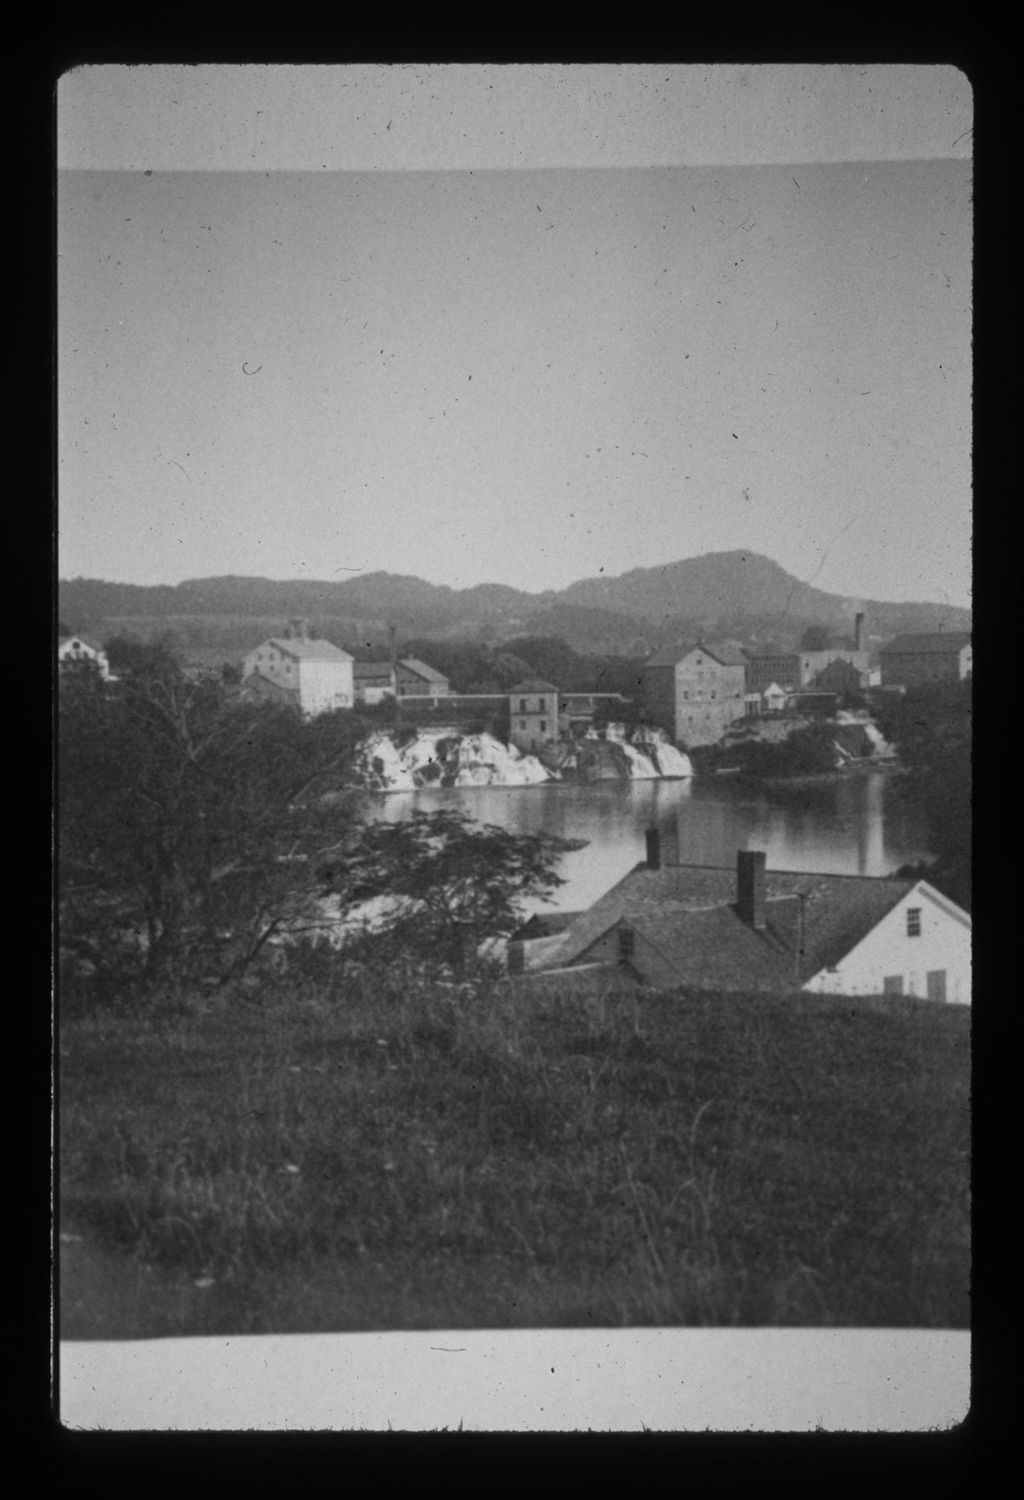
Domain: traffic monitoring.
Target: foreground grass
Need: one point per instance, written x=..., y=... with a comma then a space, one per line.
x=387, y=1153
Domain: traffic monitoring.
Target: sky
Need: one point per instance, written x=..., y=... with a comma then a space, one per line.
x=515, y=324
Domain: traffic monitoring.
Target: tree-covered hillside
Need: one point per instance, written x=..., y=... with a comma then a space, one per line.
x=731, y=594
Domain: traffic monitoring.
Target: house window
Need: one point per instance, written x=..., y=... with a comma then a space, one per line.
x=913, y=921
x=543, y=726
x=686, y=697
x=522, y=723
x=892, y=984
x=627, y=943
x=522, y=707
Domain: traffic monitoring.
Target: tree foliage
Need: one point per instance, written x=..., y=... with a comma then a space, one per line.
x=458, y=880
x=194, y=828
x=816, y=638
x=186, y=822
x=809, y=751
x=931, y=729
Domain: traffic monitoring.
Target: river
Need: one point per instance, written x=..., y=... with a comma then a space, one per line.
x=855, y=825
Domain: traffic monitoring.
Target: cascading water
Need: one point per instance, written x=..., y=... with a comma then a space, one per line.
x=441, y=758
x=648, y=753
x=444, y=758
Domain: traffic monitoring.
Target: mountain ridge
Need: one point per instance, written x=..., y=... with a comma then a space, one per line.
x=738, y=593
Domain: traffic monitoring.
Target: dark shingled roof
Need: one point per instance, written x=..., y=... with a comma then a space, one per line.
x=937, y=643
x=688, y=913
x=726, y=656
x=533, y=685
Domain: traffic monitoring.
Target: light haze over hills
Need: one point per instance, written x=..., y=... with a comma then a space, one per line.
x=740, y=593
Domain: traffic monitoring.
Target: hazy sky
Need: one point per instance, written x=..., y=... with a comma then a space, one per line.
x=516, y=325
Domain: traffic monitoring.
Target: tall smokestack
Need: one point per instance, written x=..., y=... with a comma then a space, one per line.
x=858, y=632
x=653, y=849
x=750, y=870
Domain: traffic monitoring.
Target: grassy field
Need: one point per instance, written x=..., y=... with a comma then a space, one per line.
x=368, y=1152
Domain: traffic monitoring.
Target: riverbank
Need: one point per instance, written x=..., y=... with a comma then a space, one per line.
x=823, y=778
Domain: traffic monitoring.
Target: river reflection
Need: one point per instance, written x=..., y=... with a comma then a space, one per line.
x=855, y=825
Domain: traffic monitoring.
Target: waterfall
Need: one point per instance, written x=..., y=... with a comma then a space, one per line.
x=649, y=752
x=444, y=758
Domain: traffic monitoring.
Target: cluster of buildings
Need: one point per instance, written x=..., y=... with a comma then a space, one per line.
x=701, y=690
x=319, y=677
x=669, y=926
x=696, y=691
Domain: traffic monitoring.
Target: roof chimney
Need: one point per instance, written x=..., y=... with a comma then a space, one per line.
x=750, y=868
x=858, y=632
x=653, y=849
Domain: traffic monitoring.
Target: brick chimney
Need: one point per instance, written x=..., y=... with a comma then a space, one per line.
x=750, y=870
x=653, y=849
x=858, y=632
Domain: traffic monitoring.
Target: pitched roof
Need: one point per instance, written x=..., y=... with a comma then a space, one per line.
x=413, y=664
x=86, y=640
x=371, y=669
x=937, y=642
x=688, y=913
x=726, y=656
x=533, y=685
x=309, y=650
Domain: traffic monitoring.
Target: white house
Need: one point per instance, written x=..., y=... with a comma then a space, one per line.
x=78, y=650
x=314, y=675
x=702, y=927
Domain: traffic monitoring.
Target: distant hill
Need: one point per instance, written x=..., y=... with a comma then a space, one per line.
x=738, y=595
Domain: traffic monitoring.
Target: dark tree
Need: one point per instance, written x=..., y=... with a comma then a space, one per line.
x=188, y=825
x=458, y=880
x=931, y=729
x=816, y=638
x=143, y=661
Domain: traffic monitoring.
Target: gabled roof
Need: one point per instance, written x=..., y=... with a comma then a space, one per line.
x=413, y=664
x=309, y=650
x=533, y=685
x=688, y=913
x=726, y=656
x=85, y=640
x=371, y=669
x=938, y=642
